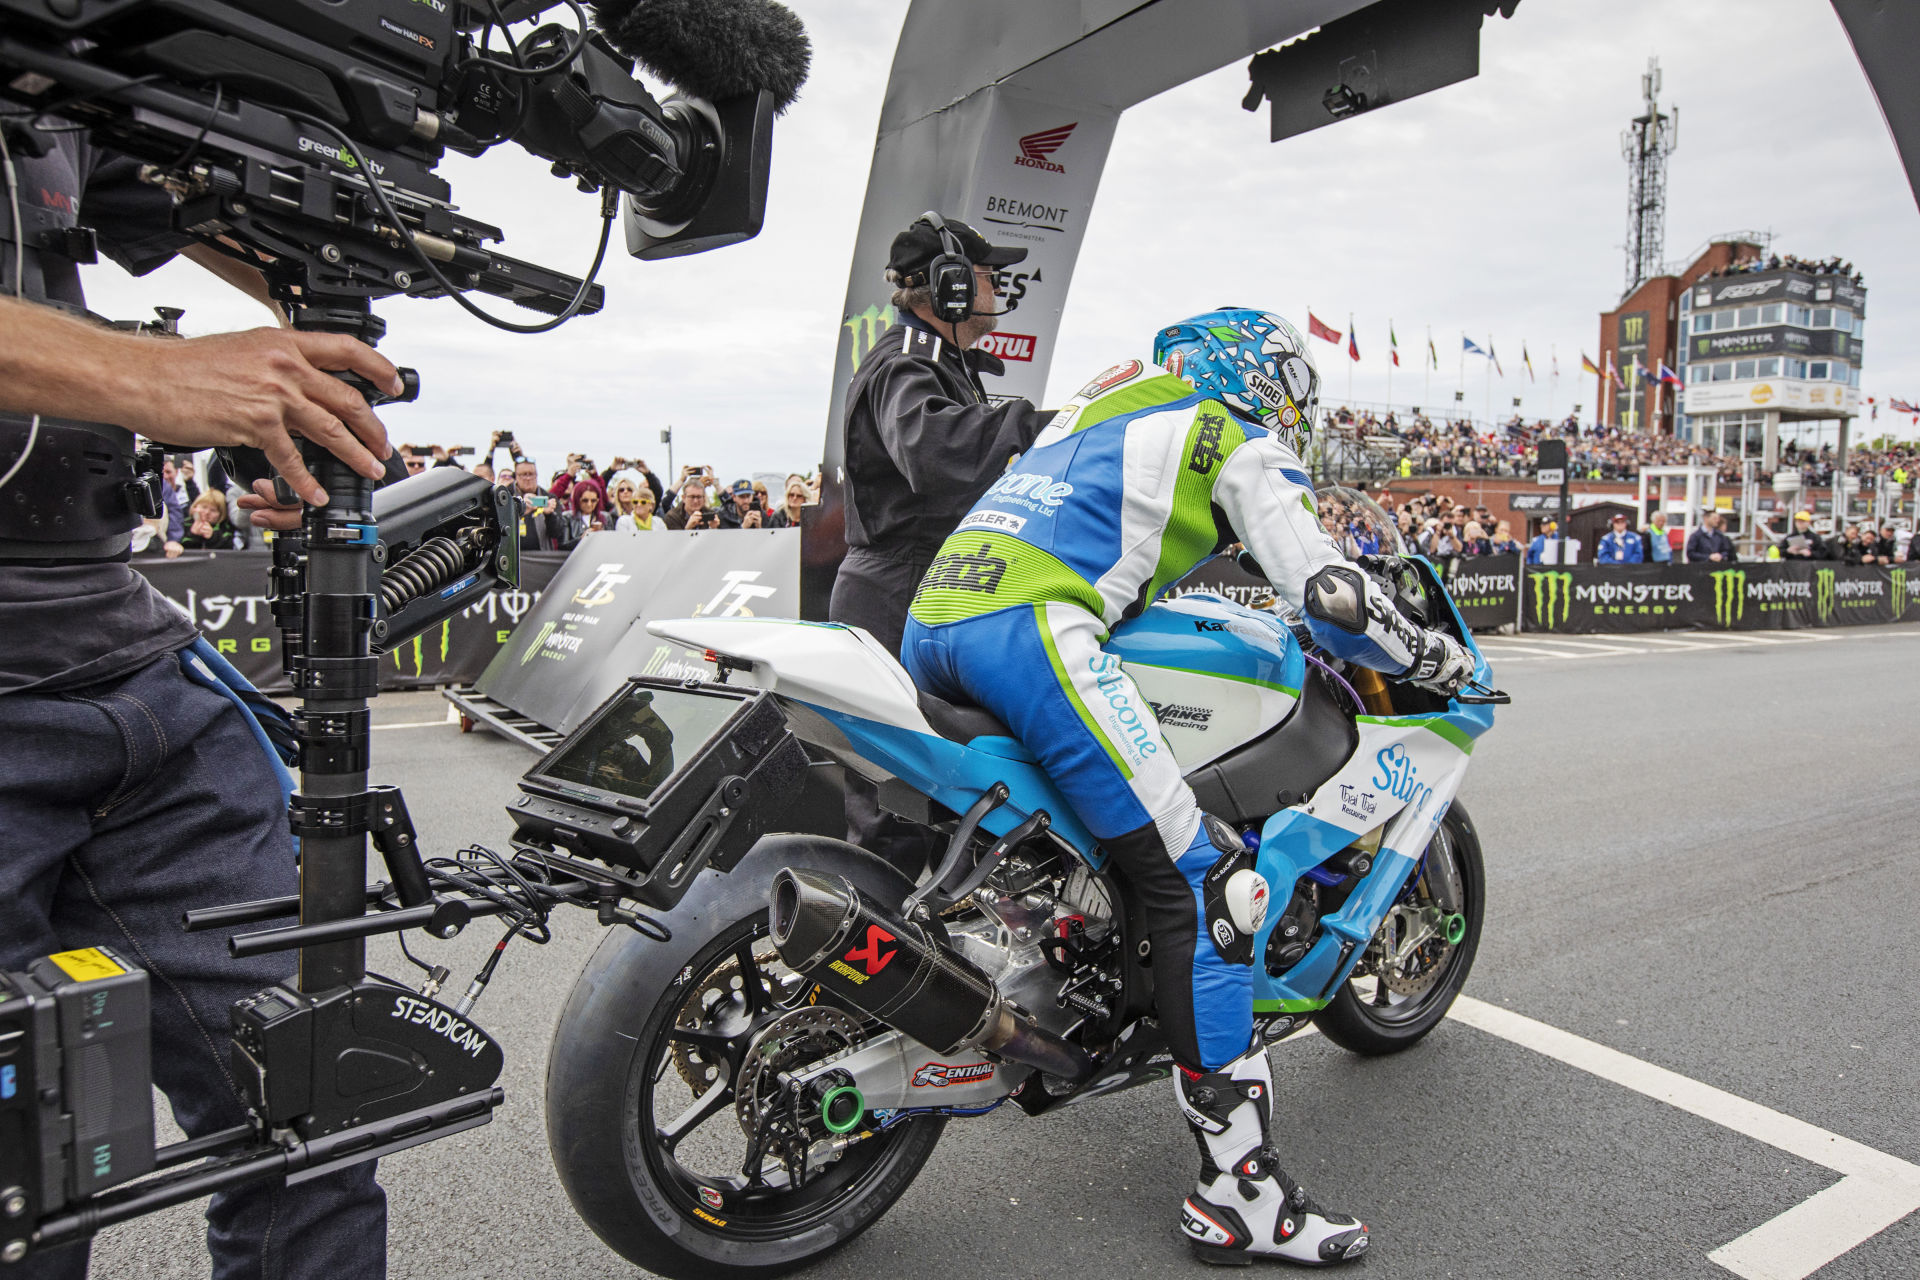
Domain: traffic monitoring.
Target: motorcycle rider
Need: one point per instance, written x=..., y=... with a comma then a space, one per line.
x=1144, y=474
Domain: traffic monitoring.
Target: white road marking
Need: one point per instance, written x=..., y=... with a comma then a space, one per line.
x=1875, y=1191
x=413, y=724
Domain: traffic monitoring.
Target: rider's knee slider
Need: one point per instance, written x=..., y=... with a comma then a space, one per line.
x=1233, y=894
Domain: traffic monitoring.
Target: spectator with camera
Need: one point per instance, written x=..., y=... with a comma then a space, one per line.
x=787, y=514
x=742, y=509
x=542, y=525
x=586, y=511
x=210, y=527
x=692, y=512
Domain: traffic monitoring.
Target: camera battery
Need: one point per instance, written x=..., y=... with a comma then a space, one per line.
x=105, y=1074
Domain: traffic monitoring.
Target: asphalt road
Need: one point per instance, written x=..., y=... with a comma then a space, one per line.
x=1701, y=858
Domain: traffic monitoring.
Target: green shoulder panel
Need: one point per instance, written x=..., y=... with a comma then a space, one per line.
x=1160, y=389
x=984, y=572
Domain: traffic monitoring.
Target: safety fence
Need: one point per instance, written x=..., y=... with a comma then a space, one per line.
x=579, y=604
x=584, y=616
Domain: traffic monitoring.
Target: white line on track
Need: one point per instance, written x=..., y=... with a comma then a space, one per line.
x=1875, y=1191
x=413, y=724
x=1557, y=648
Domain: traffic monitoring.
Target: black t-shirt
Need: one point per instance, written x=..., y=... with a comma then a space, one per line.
x=67, y=625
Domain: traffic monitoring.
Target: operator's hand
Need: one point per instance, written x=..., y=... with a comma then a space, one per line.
x=1444, y=666
x=262, y=388
x=264, y=511
x=751, y=520
x=173, y=550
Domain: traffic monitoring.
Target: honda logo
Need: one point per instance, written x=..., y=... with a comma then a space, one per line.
x=1035, y=148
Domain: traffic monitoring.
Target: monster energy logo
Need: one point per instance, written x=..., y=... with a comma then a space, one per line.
x=1899, y=593
x=1729, y=596
x=1823, y=593
x=866, y=328
x=1551, y=592
x=539, y=638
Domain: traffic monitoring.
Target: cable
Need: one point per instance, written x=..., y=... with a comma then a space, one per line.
x=608, y=207
x=19, y=287
x=520, y=67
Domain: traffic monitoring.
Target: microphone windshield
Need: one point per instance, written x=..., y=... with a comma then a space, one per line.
x=712, y=49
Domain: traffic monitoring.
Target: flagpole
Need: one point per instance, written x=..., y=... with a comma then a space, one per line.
x=1489, y=401
x=1427, y=394
x=1553, y=379
x=1352, y=346
x=1393, y=352
x=1463, y=367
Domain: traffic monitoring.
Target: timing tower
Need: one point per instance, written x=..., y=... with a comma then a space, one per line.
x=1646, y=146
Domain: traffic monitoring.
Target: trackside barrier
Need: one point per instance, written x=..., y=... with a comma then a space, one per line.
x=1742, y=596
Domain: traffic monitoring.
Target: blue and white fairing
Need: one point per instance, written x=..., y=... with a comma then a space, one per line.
x=1218, y=674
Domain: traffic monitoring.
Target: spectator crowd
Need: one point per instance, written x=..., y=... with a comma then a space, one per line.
x=200, y=512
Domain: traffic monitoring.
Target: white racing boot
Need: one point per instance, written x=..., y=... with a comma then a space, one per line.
x=1246, y=1207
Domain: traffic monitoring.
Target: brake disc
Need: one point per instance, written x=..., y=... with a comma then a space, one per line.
x=791, y=1040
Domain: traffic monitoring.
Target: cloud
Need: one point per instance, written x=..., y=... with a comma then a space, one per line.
x=1496, y=208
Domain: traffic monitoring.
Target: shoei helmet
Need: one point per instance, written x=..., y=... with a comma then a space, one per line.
x=1254, y=362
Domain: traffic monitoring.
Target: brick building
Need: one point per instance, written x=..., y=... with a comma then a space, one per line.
x=1645, y=328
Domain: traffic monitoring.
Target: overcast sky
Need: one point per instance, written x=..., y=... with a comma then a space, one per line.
x=1496, y=207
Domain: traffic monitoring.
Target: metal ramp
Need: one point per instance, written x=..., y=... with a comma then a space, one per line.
x=477, y=710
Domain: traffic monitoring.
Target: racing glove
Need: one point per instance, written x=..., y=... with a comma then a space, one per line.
x=1444, y=665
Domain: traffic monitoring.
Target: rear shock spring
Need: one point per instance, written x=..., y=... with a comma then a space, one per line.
x=432, y=565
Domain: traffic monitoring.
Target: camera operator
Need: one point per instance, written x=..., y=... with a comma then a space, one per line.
x=744, y=510
x=922, y=445
x=129, y=791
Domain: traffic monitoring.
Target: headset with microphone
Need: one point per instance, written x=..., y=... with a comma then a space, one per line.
x=949, y=274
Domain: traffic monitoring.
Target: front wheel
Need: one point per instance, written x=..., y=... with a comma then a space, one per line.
x=668, y=1121
x=1421, y=955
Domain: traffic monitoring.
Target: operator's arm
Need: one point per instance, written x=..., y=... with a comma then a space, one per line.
x=1267, y=496
x=238, y=274
x=942, y=443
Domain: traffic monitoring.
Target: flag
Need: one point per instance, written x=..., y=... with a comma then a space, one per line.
x=1353, y=341
x=1493, y=356
x=1637, y=369
x=1669, y=377
x=1588, y=366
x=1433, y=356
x=1393, y=344
x=1619, y=382
x=1320, y=329
x=1466, y=344
x=1527, y=361
x=1901, y=406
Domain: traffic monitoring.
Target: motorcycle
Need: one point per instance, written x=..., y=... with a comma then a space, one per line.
x=750, y=1096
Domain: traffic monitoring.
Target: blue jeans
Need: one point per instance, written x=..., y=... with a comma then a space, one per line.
x=122, y=805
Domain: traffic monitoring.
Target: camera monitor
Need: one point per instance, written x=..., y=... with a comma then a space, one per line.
x=664, y=780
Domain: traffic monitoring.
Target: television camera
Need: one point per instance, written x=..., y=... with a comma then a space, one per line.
x=301, y=138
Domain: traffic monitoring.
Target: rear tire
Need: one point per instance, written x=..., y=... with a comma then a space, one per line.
x=1356, y=1022
x=606, y=1066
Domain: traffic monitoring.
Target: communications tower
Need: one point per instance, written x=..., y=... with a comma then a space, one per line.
x=1646, y=146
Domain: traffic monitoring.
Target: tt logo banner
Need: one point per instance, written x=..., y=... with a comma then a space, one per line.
x=736, y=590
x=1823, y=593
x=1729, y=596
x=600, y=590
x=1552, y=594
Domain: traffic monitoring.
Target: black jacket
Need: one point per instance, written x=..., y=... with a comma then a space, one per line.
x=923, y=442
x=1703, y=542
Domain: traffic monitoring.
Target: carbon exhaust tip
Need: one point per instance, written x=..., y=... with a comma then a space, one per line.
x=809, y=914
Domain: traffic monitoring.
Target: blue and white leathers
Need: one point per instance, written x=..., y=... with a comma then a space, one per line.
x=1123, y=494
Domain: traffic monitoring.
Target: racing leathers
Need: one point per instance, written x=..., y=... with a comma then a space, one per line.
x=1137, y=480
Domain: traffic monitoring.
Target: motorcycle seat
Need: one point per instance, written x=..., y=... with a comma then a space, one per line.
x=961, y=722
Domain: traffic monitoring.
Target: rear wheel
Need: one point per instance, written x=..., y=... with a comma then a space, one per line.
x=671, y=1127
x=1420, y=957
